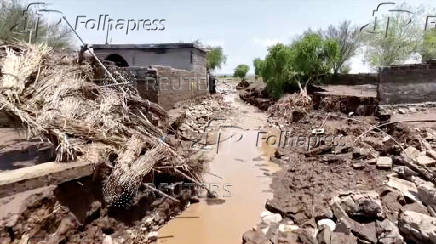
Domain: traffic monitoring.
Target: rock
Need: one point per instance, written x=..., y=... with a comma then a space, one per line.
x=425, y=161
x=358, y=166
x=417, y=227
x=149, y=221
x=288, y=228
x=365, y=232
x=152, y=236
x=407, y=188
x=426, y=193
x=388, y=233
x=107, y=240
x=412, y=109
x=342, y=238
x=270, y=218
x=328, y=222
x=254, y=237
x=324, y=235
x=365, y=204
x=384, y=162
x=401, y=111
x=411, y=152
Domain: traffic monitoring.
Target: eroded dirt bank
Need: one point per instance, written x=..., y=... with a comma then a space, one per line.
x=347, y=178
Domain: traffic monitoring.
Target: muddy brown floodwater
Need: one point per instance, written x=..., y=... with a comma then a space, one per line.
x=244, y=185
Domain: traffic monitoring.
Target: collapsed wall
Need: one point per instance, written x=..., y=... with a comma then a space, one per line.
x=405, y=84
x=167, y=86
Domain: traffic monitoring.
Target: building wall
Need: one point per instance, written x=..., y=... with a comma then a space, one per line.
x=167, y=86
x=176, y=85
x=190, y=59
x=407, y=84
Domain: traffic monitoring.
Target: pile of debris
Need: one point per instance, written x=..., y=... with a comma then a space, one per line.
x=193, y=121
x=290, y=108
x=371, y=183
x=107, y=124
x=256, y=95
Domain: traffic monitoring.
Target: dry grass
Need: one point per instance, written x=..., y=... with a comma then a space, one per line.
x=85, y=121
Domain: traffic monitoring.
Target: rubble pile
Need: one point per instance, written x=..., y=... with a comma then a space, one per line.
x=257, y=95
x=193, y=120
x=290, y=108
x=107, y=124
x=369, y=184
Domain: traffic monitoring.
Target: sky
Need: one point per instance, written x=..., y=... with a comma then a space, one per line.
x=243, y=28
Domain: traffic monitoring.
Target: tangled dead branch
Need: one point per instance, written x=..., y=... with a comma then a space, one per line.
x=59, y=102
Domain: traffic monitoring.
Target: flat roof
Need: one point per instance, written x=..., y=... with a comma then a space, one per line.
x=147, y=46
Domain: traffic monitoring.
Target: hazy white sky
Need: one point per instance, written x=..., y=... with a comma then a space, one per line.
x=243, y=28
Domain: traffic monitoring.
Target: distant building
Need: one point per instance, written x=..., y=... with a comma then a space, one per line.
x=181, y=68
x=186, y=56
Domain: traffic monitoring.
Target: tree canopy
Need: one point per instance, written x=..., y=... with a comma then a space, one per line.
x=348, y=39
x=19, y=24
x=241, y=71
x=307, y=59
x=216, y=58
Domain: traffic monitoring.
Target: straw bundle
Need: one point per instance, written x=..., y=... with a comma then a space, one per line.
x=61, y=104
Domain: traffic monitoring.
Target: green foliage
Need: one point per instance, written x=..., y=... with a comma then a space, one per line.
x=16, y=23
x=429, y=46
x=308, y=59
x=314, y=57
x=402, y=38
x=348, y=39
x=278, y=71
x=258, y=66
x=216, y=58
x=241, y=71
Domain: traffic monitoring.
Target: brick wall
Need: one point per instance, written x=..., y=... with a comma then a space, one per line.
x=176, y=85
x=407, y=84
x=167, y=86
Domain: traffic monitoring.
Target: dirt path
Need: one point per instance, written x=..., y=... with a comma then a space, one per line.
x=244, y=173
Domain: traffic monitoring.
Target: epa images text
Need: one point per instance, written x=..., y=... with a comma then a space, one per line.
x=104, y=23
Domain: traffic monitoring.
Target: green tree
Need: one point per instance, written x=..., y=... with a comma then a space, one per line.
x=429, y=46
x=241, y=71
x=278, y=71
x=396, y=38
x=348, y=39
x=216, y=58
x=307, y=59
x=19, y=24
x=314, y=57
x=258, y=66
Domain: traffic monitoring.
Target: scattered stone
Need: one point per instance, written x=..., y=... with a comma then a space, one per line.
x=411, y=152
x=254, y=237
x=412, y=109
x=342, y=238
x=328, y=222
x=288, y=227
x=324, y=235
x=401, y=111
x=384, y=162
x=426, y=193
x=270, y=218
x=425, y=161
x=358, y=166
x=417, y=227
x=407, y=188
x=107, y=239
x=388, y=233
x=152, y=236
